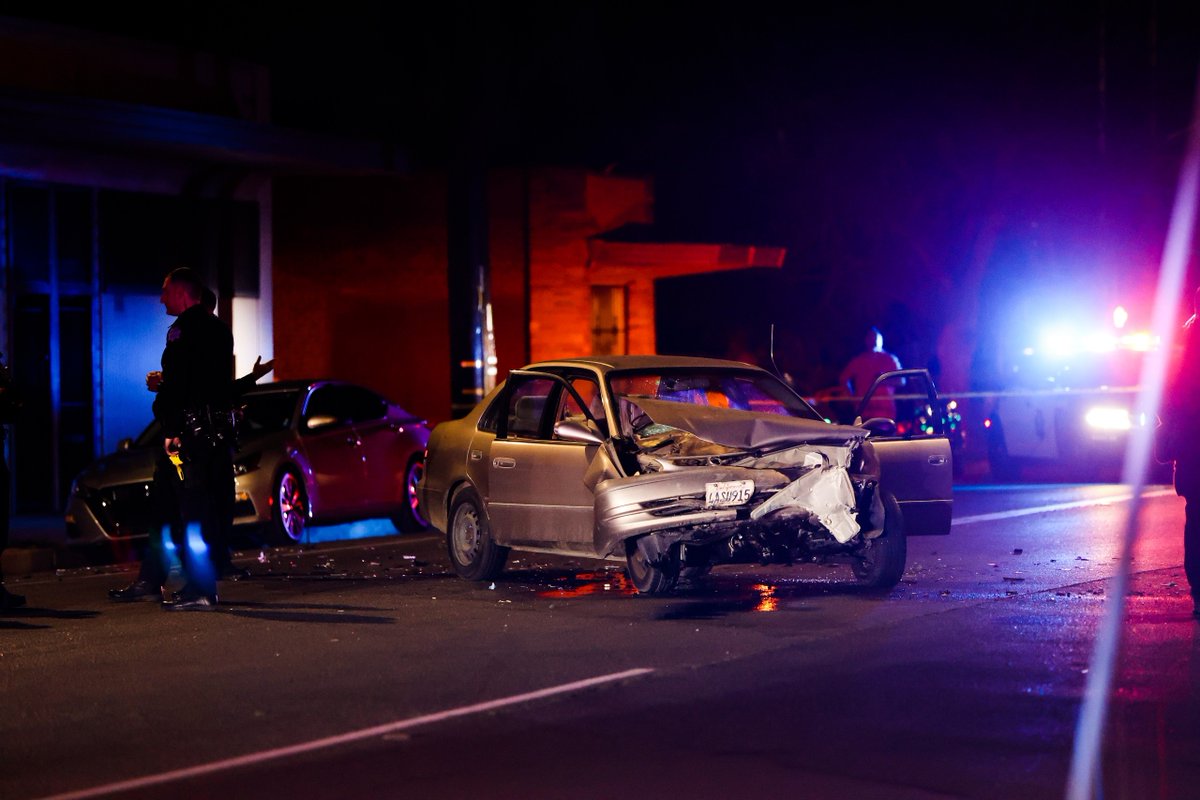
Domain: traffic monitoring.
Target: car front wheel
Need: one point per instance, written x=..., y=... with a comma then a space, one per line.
x=291, y=508
x=658, y=577
x=880, y=563
x=475, y=556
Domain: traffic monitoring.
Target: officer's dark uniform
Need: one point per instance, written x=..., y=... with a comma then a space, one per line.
x=1181, y=417
x=8, y=411
x=193, y=404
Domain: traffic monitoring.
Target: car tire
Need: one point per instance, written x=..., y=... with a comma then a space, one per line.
x=880, y=563
x=289, y=516
x=647, y=578
x=473, y=552
x=410, y=518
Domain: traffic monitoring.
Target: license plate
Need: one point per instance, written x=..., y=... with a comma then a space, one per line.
x=722, y=494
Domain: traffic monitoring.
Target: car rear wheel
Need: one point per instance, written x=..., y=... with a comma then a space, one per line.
x=290, y=517
x=648, y=577
x=475, y=556
x=410, y=519
x=880, y=564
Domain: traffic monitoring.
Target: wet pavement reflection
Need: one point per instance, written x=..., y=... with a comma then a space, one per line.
x=767, y=600
x=581, y=584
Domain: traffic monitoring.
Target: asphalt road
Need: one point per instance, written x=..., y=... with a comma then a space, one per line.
x=365, y=669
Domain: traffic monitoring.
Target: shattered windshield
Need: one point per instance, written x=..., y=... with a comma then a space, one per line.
x=741, y=390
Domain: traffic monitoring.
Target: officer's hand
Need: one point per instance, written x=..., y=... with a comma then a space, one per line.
x=172, y=446
x=153, y=380
x=260, y=368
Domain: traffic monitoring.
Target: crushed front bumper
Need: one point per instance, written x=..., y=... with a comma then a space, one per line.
x=674, y=501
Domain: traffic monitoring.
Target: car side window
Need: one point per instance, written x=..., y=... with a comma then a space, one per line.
x=489, y=420
x=342, y=405
x=589, y=392
x=363, y=405
x=526, y=407
x=908, y=401
x=326, y=407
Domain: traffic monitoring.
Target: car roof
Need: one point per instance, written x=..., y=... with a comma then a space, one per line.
x=297, y=384
x=281, y=386
x=611, y=363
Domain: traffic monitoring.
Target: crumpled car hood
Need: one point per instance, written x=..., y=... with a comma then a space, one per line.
x=746, y=429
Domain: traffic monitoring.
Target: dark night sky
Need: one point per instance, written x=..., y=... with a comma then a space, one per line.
x=899, y=151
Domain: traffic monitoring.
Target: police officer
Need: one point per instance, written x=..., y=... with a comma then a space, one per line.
x=193, y=405
x=8, y=412
x=1181, y=443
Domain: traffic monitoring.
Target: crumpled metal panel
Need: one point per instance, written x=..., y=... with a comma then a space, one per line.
x=745, y=429
x=827, y=493
x=659, y=501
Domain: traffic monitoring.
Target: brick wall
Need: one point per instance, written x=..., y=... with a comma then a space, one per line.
x=360, y=286
x=567, y=207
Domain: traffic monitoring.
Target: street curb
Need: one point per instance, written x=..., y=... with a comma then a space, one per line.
x=26, y=560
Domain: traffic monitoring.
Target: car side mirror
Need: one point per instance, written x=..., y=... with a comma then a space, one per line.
x=320, y=421
x=125, y=444
x=573, y=431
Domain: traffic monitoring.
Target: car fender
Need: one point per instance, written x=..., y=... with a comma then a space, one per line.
x=444, y=508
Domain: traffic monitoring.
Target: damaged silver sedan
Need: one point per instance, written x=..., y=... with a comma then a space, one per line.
x=677, y=465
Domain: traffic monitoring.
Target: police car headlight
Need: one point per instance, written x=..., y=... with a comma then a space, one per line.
x=1108, y=418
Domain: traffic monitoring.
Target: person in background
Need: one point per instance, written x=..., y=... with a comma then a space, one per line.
x=153, y=571
x=1180, y=442
x=864, y=368
x=8, y=414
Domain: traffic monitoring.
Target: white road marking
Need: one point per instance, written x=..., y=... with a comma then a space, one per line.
x=1024, y=512
x=251, y=759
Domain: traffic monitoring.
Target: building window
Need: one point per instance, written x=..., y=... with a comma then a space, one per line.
x=610, y=329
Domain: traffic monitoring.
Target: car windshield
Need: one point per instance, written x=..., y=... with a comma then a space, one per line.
x=267, y=412
x=742, y=390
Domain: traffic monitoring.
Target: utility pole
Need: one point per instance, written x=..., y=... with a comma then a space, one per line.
x=470, y=301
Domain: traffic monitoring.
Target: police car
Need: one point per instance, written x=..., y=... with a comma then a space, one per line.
x=1068, y=404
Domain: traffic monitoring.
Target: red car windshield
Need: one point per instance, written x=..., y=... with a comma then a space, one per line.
x=739, y=390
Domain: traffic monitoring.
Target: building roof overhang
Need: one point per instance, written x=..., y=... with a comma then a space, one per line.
x=107, y=128
x=609, y=260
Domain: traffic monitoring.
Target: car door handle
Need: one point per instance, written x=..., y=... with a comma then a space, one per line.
x=937, y=461
x=504, y=463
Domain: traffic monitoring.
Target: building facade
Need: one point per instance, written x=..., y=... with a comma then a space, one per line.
x=120, y=160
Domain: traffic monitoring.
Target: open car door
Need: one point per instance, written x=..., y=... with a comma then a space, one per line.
x=538, y=495
x=914, y=458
